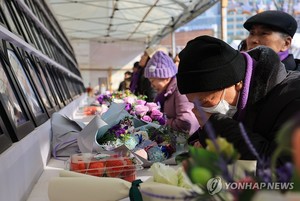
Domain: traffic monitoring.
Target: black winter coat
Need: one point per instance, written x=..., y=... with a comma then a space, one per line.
x=291, y=63
x=274, y=98
x=144, y=87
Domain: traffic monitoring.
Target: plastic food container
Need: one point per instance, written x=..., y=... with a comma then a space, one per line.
x=106, y=165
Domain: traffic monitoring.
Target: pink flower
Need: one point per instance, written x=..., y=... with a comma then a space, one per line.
x=130, y=100
x=141, y=110
x=152, y=106
x=146, y=118
x=156, y=114
x=140, y=102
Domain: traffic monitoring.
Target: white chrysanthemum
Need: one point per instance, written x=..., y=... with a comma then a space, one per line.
x=164, y=174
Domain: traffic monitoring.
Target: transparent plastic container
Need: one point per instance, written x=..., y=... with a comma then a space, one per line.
x=105, y=165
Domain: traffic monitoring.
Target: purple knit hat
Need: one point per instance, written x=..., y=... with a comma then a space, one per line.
x=160, y=66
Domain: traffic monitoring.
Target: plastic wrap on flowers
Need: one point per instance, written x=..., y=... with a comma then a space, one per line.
x=107, y=98
x=121, y=126
x=168, y=183
x=147, y=112
x=162, y=145
x=75, y=186
x=149, y=145
x=150, y=141
x=117, y=135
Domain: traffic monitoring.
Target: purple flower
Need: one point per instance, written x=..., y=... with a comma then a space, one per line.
x=152, y=106
x=159, y=139
x=100, y=99
x=285, y=172
x=161, y=121
x=128, y=107
x=120, y=132
x=265, y=174
x=103, y=98
x=147, y=118
x=156, y=114
x=141, y=110
x=115, y=127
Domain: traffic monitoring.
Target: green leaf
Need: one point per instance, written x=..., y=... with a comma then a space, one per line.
x=296, y=181
x=181, y=157
x=226, y=149
x=205, y=158
x=284, y=135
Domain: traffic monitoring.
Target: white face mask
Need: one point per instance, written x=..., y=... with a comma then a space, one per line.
x=223, y=107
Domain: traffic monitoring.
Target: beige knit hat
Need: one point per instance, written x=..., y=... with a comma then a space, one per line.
x=153, y=49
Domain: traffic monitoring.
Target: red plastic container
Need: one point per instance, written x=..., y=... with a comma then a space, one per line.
x=106, y=165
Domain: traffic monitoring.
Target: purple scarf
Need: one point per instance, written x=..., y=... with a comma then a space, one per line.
x=246, y=85
x=283, y=55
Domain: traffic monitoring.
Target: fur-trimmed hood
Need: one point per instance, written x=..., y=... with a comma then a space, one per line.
x=267, y=73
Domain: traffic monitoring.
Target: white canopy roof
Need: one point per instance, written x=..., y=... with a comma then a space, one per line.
x=106, y=21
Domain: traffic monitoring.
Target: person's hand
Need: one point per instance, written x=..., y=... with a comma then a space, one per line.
x=198, y=144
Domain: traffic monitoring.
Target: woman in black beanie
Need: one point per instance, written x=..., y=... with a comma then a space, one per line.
x=250, y=87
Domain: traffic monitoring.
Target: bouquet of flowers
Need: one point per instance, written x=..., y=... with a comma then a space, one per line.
x=135, y=105
x=153, y=144
x=146, y=111
x=218, y=173
x=162, y=143
x=117, y=96
x=119, y=134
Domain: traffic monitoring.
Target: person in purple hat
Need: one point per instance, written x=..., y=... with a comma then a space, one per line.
x=161, y=71
x=143, y=84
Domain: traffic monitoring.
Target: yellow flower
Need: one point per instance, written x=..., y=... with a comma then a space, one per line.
x=226, y=148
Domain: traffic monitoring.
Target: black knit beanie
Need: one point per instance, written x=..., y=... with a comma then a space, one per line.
x=209, y=64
